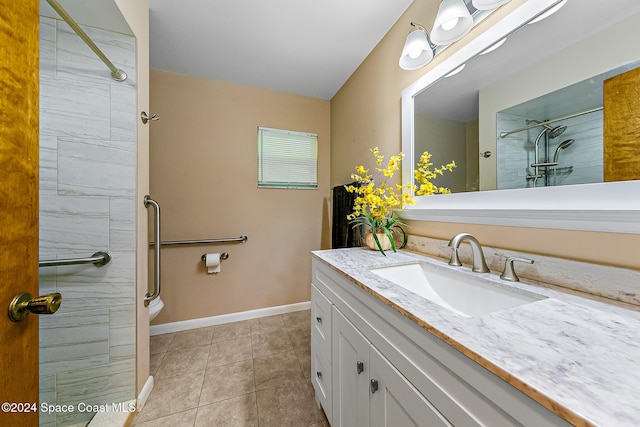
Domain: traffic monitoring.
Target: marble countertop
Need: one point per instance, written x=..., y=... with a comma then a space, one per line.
x=577, y=357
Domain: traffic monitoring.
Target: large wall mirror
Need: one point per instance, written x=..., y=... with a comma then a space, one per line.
x=545, y=128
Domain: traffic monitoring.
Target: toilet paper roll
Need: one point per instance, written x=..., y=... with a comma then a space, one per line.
x=212, y=262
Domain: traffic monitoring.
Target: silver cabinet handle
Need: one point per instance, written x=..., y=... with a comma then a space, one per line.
x=374, y=386
x=359, y=367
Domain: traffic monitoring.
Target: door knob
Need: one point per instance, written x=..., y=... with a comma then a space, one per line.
x=24, y=303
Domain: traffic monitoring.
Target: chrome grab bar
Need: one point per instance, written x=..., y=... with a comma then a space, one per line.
x=98, y=259
x=241, y=239
x=156, y=250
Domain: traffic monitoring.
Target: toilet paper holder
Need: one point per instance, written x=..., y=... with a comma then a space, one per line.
x=223, y=255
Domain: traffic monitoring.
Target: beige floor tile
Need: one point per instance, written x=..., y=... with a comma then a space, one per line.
x=215, y=385
x=271, y=343
x=154, y=362
x=160, y=343
x=172, y=395
x=225, y=352
x=276, y=369
x=181, y=419
x=236, y=412
x=192, y=338
x=303, y=354
x=298, y=319
x=266, y=324
x=224, y=382
x=232, y=331
x=178, y=362
x=300, y=337
x=290, y=404
x=325, y=421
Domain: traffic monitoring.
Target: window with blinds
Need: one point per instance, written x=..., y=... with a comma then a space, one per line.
x=287, y=159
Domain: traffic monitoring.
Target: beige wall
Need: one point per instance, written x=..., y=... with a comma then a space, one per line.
x=204, y=176
x=137, y=16
x=366, y=112
x=445, y=140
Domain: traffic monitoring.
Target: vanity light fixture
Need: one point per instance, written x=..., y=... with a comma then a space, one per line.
x=494, y=46
x=453, y=22
x=549, y=12
x=488, y=4
x=418, y=49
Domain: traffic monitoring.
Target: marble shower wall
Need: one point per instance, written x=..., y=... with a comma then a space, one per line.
x=580, y=163
x=87, y=204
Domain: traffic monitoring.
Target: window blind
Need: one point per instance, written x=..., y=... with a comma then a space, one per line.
x=287, y=159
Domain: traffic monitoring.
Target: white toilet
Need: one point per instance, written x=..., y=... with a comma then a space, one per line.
x=155, y=307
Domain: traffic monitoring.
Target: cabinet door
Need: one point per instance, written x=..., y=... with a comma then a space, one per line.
x=394, y=401
x=350, y=374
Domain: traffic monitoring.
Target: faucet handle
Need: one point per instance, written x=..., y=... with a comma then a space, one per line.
x=509, y=273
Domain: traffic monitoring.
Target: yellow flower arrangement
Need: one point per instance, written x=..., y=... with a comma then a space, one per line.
x=375, y=204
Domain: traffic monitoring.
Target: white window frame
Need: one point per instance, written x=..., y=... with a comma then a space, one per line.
x=287, y=159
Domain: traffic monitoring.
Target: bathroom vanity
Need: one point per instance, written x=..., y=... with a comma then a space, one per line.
x=382, y=355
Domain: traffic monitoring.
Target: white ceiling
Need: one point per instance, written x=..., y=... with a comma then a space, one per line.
x=296, y=46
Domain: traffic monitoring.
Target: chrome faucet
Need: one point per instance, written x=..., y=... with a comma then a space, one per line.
x=479, y=264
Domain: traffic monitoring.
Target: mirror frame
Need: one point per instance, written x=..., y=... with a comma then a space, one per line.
x=604, y=207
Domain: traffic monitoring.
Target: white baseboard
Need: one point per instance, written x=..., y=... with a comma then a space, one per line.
x=185, y=325
x=120, y=414
x=144, y=393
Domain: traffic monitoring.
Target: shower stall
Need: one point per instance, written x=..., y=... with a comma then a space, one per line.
x=540, y=166
x=88, y=202
x=557, y=151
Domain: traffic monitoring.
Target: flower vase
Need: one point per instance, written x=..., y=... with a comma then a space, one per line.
x=385, y=244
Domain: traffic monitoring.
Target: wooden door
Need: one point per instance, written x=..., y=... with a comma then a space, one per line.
x=622, y=127
x=19, y=41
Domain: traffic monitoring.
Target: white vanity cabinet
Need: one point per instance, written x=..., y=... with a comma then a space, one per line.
x=350, y=374
x=321, y=371
x=385, y=370
x=368, y=390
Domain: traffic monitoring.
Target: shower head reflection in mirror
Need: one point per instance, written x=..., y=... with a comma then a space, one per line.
x=594, y=32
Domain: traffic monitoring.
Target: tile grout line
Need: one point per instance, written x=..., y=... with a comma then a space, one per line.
x=290, y=328
x=255, y=384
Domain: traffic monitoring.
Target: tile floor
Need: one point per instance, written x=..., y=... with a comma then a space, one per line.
x=249, y=373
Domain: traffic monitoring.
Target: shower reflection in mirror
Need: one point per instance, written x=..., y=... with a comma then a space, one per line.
x=555, y=139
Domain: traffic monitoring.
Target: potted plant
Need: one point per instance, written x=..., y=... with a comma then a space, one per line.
x=378, y=201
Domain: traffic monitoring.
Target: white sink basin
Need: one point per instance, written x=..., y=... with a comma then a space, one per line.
x=459, y=293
